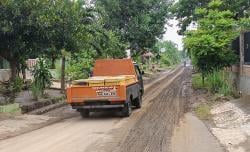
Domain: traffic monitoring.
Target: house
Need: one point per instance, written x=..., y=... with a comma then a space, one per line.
x=241, y=72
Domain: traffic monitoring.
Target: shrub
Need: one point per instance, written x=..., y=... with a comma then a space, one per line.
x=16, y=85
x=197, y=82
x=9, y=90
x=42, y=78
x=220, y=82
x=36, y=91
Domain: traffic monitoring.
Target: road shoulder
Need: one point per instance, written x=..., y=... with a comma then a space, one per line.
x=193, y=136
x=231, y=124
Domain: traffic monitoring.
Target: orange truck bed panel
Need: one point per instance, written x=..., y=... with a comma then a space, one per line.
x=114, y=67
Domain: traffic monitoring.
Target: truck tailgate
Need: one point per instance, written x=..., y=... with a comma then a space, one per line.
x=78, y=94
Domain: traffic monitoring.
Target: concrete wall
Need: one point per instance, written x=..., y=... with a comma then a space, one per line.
x=4, y=75
x=242, y=81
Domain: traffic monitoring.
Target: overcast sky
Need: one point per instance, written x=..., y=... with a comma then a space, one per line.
x=172, y=34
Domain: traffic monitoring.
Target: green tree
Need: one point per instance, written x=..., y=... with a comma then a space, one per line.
x=184, y=10
x=171, y=54
x=138, y=22
x=106, y=44
x=210, y=44
x=42, y=78
x=20, y=31
x=80, y=65
x=67, y=28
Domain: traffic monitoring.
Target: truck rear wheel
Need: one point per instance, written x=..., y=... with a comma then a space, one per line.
x=84, y=113
x=138, y=102
x=127, y=109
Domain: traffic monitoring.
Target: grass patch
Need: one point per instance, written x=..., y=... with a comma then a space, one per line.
x=197, y=82
x=203, y=111
x=220, y=82
x=10, y=108
x=216, y=82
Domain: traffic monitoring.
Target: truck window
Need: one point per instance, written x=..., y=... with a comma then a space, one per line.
x=137, y=70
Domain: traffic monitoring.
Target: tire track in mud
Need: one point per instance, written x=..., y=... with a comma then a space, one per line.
x=153, y=132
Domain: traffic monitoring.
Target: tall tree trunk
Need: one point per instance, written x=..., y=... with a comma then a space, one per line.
x=63, y=75
x=23, y=72
x=53, y=64
x=203, y=78
x=14, y=70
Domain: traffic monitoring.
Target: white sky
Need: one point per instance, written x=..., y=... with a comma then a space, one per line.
x=172, y=35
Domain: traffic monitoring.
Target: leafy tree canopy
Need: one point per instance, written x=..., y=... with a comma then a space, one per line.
x=170, y=54
x=20, y=30
x=184, y=10
x=67, y=24
x=138, y=22
x=210, y=44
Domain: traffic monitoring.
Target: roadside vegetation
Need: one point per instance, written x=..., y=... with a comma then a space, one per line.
x=169, y=53
x=218, y=87
x=217, y=82
x=209, y=45
x=42, y=79
x=67, y=36
x=203, y=111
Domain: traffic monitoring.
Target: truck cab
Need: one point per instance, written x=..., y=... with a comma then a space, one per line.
x=139, y=74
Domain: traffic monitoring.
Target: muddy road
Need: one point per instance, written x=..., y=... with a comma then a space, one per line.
x=153, y=131
x=150, y=129
x=147, y=130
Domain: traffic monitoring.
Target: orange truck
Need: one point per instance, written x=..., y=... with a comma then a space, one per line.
x=116, y=84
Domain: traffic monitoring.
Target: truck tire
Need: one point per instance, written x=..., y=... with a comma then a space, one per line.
x=138, y=102
x=84, y=113
x=127, y=109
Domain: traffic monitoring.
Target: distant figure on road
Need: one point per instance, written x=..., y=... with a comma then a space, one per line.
x=185, y=63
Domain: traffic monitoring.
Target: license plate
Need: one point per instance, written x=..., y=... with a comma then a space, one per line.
x=107, y=94
x=106, y=91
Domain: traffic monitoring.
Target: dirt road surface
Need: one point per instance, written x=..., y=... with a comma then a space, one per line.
x=147, y=130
